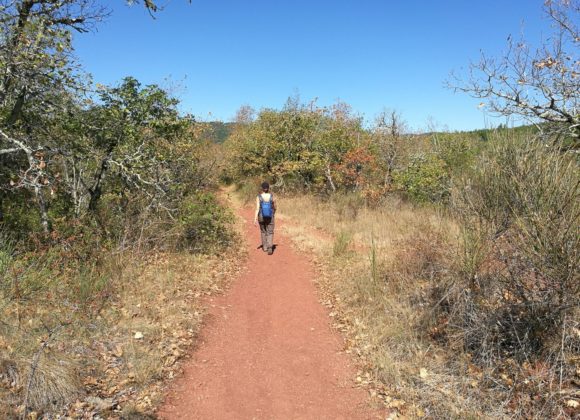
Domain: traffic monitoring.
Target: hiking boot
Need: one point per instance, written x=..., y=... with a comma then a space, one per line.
x=270, y=251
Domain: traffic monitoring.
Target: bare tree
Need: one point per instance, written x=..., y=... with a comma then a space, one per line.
x=539, y=84
x=245, y=115
x=389, y=130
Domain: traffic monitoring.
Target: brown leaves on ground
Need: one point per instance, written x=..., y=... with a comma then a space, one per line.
x=119, y=356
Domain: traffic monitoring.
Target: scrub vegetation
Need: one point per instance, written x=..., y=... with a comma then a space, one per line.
x=110, y=227
x=449, y=260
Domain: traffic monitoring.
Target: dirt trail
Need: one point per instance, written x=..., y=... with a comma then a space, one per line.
x=267, y=350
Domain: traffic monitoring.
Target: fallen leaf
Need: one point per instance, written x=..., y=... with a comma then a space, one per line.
x=89, y=380
x=397, y=403
x=118, y=351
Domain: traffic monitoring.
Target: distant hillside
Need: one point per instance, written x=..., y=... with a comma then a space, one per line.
x=218, y=131
x=486, y=133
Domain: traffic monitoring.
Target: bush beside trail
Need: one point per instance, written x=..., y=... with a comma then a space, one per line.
x=109, y=225
x=104, y=266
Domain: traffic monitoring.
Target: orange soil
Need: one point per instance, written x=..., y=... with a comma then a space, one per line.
x=267, y=350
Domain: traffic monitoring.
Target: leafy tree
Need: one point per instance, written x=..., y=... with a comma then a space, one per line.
x=38, y=81
x=298, y=147
x=426, y=179
x=126, y=130
x=340, y=134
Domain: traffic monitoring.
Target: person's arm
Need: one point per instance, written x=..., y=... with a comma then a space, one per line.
x=257, y=210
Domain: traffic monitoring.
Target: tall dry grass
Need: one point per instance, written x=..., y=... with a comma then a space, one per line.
x=468, y=312
x=515, y=304
x=380, y=271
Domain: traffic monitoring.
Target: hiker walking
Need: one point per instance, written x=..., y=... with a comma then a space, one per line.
x=265, y=209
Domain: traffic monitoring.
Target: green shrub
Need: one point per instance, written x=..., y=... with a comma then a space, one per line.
x=425, y=179
x=204, y=222
x=341, y=243
x=458, y=152
x=20, y=215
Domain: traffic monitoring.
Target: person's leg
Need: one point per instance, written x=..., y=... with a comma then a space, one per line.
x=270, y=232
x=264, y=234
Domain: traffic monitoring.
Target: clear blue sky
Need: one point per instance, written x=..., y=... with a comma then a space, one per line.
x=371, y=54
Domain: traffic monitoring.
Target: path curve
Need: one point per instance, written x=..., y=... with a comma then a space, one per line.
x=267, y=350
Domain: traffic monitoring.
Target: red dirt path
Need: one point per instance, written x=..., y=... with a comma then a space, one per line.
x=267, y=350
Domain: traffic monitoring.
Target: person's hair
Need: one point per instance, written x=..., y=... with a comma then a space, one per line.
x=265, y=186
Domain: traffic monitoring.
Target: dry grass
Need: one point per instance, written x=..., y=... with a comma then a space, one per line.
x=109, y=351
x=515, y=301
x=54, y=382
x=380, y=294
x=386, y=227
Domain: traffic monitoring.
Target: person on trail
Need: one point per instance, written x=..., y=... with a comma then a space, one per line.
x=265, y=210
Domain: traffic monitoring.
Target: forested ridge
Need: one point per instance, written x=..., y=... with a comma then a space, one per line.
x=452, y=263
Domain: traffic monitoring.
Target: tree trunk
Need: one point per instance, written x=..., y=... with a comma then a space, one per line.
x=95, y=191
x=329, y=178
x=44, y=221
x=42, y=208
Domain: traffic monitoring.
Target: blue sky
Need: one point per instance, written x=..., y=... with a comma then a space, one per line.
x=221, y=54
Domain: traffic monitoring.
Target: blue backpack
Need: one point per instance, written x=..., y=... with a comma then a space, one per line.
x=266, y=207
